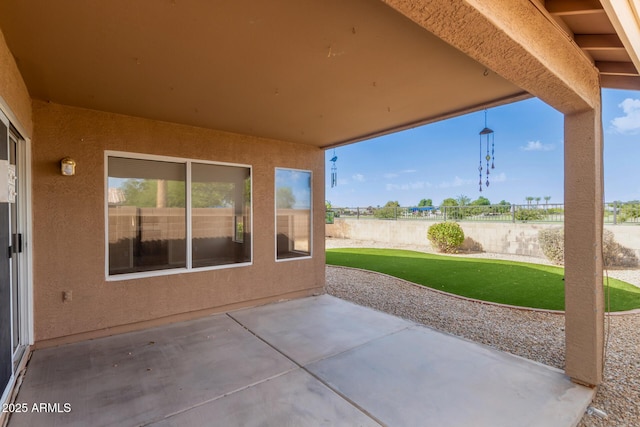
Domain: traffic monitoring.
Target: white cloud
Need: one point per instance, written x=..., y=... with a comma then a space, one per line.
x=417, y=185
x=630, y=122
x=537, y=146
x=501, y=177
x=358, y=177
x=457, y=182
x=397, y=174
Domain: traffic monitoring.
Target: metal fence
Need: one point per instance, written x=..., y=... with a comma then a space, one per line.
x=614, y=213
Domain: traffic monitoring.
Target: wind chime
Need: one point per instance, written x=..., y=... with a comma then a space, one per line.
x=486, y=134
x=334, y=170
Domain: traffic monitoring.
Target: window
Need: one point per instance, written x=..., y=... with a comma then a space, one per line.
x=173, y=214
x=220, y=202
x=293, y=214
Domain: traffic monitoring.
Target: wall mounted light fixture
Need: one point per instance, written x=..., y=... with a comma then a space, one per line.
x=68, y=166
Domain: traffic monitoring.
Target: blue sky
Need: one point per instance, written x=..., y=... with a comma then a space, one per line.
x=440, y=160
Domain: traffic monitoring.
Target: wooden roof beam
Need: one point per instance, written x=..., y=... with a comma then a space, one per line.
x=598, y=41
x=617, y=68
x=573, y=7
x=620, y=82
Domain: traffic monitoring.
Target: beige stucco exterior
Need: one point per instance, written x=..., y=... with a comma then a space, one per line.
x=13, y=92
x=525, y=47
x=584, y=293
x=69, y=226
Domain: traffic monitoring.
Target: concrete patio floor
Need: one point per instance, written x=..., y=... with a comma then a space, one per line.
x=307, y=362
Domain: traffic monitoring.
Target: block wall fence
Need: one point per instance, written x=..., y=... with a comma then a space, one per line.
x=502, y=238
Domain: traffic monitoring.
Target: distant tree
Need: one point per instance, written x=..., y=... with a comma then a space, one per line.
x=537, y=201
x=140, y=192
x=504, y=206
x=144, y=193
x=285, y=198
x=329, y=215
x=456, y=213
x=481, y=201
x=479, y=207
x=546, y=201
x=425, y=202
x=463, y=200
x=212, y=194
x=529, y=199
x=389, y=210
x=629, y=210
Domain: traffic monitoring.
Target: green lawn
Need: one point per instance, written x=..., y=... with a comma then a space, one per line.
x=505, y=282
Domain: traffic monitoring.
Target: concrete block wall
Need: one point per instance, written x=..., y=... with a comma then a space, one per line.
x=503, y=238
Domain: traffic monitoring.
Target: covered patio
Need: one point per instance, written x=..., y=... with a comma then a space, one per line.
x=312, y=361
x=145, y=146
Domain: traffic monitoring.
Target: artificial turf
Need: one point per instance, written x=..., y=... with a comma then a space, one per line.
x=504, y=282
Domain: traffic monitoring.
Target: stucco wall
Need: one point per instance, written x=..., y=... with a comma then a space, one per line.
x=505, y=238
x=13, y=91
x=69, y=229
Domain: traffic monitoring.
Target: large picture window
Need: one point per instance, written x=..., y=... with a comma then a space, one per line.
x=174, y=214
x=293, y=213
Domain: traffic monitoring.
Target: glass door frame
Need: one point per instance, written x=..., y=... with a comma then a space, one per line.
x=20, y=342
x=24, y=264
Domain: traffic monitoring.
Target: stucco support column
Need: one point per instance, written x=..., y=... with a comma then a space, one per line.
x=584, y=299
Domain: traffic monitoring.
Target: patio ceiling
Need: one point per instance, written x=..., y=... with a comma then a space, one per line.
x=317, y=72
x=608, y=32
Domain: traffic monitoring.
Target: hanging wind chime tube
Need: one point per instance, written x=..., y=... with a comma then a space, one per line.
x=487, y=135
x=334, y=170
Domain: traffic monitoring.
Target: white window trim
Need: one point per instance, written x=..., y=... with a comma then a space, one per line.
x=171, y=271
x=275, y=195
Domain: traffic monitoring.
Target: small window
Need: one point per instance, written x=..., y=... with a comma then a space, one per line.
x=168, y=214
x=293, y=213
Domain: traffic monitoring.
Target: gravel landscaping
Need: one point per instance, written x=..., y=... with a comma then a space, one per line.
x=535, y=335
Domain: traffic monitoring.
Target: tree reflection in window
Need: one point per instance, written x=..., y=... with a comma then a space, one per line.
x=293, y=213
x=148, y=223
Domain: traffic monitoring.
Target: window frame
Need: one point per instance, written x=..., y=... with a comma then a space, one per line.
x=275, y=202
x=188, y=213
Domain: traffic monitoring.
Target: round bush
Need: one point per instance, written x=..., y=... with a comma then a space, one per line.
x=446, y=236
x=614, y=254
x=552, y=244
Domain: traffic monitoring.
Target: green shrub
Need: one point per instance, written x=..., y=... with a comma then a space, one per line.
x=629, y=211
x=529, y=214
x=446, y=236
x=554, y=211
x=614, y=254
